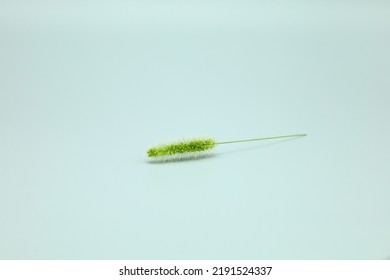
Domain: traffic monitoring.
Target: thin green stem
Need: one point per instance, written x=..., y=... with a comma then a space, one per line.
x=266, y=138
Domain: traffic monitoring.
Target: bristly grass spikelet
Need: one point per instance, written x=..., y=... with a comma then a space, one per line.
x=195, y=148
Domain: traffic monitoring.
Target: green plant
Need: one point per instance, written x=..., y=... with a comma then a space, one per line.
x=195, y=148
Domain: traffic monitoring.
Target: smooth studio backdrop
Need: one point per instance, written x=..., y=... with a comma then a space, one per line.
x=85, y=88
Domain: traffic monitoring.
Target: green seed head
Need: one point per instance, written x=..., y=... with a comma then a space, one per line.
x=188, y=148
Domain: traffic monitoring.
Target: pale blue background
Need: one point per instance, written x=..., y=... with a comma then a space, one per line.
x=86, y=87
